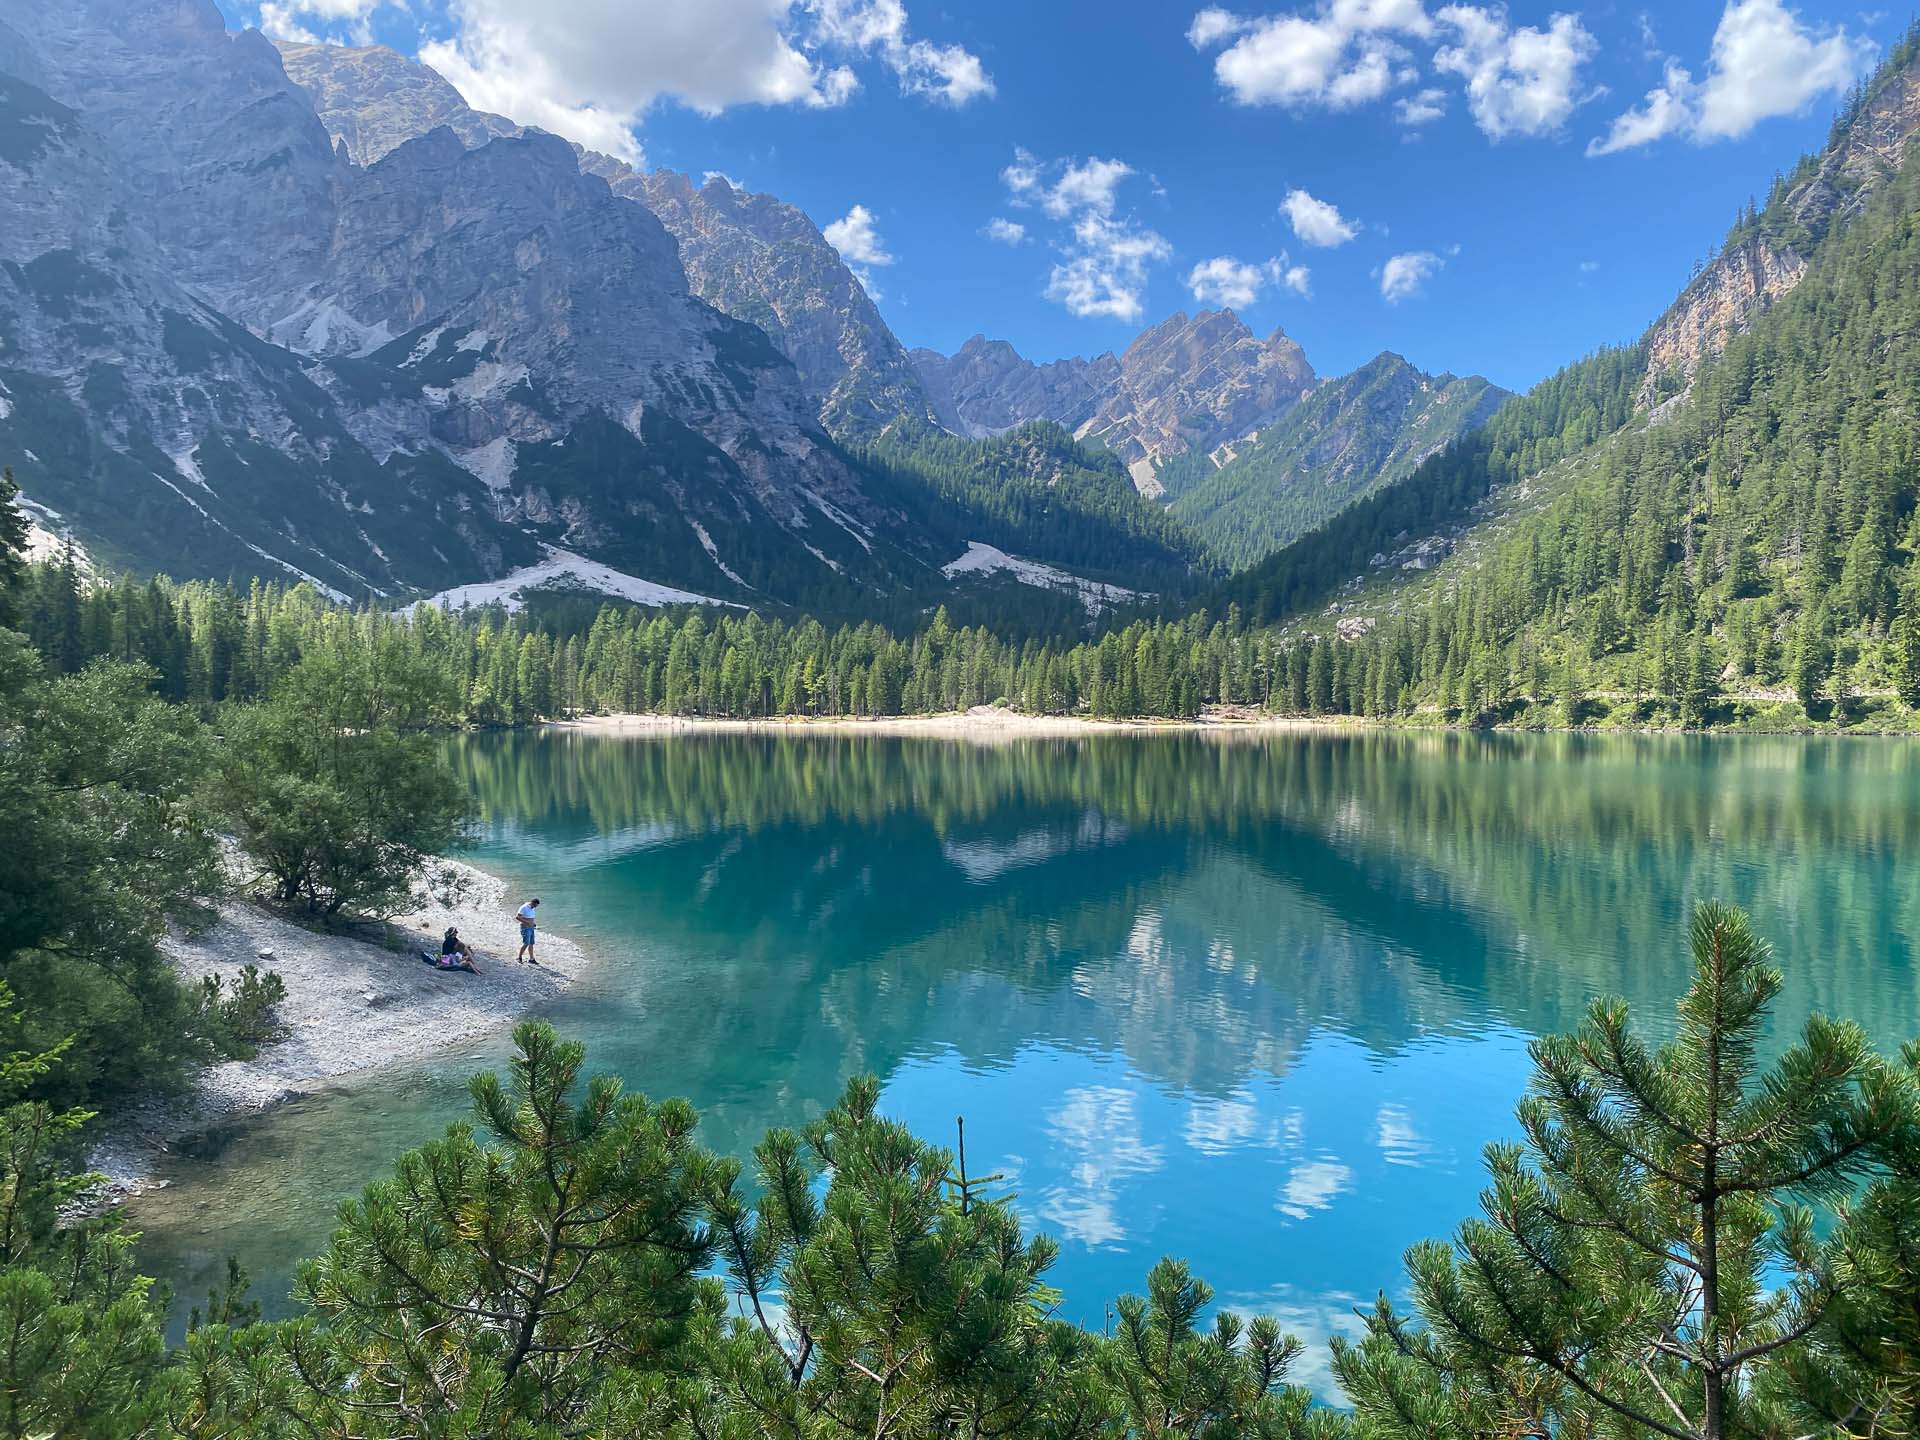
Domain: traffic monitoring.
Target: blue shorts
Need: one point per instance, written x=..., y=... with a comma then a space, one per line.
x=526, y=934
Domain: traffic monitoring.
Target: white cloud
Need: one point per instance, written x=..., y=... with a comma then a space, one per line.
x=1667, y=110
x=1422, y=109
x=947, y=73
x=860, y=245
x=1520, y=80
x=1341, y=54
x=1316, y=222
x=1089, y=186
x=1105, y=258
x=1765, y=61
x=1003, y=231
x=589, y=69
x=336, y=20
x=1105, y=270
x=1224, y=280
x=855, y=238
x=1402, y=277
x=1212, y=25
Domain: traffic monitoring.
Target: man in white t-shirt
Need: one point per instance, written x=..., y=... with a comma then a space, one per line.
x=529, y=913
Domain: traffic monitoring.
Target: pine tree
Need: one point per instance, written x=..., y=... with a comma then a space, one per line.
x=1905, y=658
x=492, y=1289
x=1699, y=680
x=1644, y=1266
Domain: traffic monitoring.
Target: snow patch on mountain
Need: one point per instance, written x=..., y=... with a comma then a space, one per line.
x=564, y=570
x=713, y=553
x=833, y=512
x=982, y=559
x=339, y=596
x=47, y=535
x=189, y=469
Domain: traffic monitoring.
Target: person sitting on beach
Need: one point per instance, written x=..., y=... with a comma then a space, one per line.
x=528, y=914
x=455, y=953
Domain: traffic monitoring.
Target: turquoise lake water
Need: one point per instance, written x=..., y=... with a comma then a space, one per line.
x=1257, y=1002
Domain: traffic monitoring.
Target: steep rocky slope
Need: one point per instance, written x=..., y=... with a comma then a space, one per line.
x=751, y=256
x=372, y=101
x=408, y=372
x=1766, y=255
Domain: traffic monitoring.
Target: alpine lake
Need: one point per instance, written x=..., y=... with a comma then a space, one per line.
x=1257, y=1000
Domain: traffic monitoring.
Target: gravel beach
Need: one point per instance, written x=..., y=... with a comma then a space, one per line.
x=354, y=1005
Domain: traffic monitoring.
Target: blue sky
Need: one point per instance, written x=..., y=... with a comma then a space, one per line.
x=1483, y=188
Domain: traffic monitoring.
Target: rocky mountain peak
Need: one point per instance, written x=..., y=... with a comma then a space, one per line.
x=373, y=100
x=1188, y=383
x=1193, y=383
x=750, y=256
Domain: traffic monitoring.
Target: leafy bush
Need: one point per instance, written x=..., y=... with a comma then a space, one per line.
x=332, y=785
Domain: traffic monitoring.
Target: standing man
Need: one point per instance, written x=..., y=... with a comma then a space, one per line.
x=529, y=913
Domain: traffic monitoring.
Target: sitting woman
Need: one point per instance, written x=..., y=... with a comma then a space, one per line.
x=455, y=953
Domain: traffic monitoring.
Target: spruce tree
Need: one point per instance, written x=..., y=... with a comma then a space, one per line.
x=1645, y=1265
x=13, y=550
x=1810, y=666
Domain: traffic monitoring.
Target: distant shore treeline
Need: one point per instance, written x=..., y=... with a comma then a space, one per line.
x=1442, y=662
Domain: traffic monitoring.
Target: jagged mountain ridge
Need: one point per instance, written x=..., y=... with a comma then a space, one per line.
x=385, y=376
x=986, y=387
x=752, y=256
x=1346, y=439
x=1235, y=434
x=1188, y=384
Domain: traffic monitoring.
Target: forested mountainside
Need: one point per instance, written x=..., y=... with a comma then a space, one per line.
x=1036, y=487
x=1756, y=529
x=1346, y=439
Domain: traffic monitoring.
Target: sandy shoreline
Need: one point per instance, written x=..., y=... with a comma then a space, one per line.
x=354, y=1007
x=983, y=722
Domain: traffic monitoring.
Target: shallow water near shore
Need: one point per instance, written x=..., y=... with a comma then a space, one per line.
x=1257, y=1000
